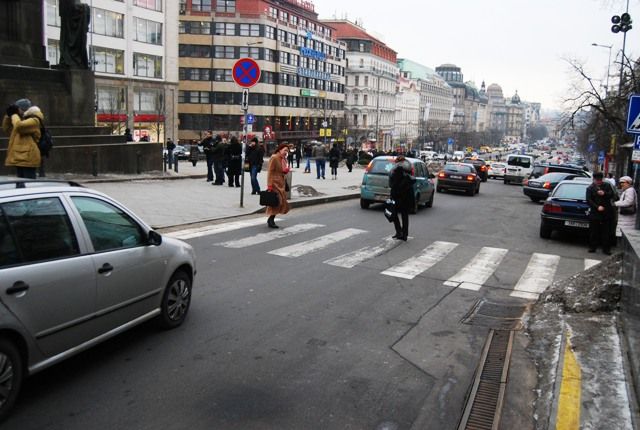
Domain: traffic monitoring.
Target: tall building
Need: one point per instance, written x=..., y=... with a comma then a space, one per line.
x=302, y=80
x=497, y=110
x=134, y=54
x=407, y=123
x=469, y=103
x=371, y=79
x=436, y=99
x=515, y=118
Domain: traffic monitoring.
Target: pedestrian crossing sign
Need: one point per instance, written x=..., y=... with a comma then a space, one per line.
x=633, y=117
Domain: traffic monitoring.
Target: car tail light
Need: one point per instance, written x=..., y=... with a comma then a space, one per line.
x=471, y=177
x=547, y=185
x=483, y=168
x=551, y=208
x=525, y=182
x=442, y=175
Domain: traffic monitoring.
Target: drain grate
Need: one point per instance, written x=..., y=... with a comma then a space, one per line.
x=484, y=406
x=498, y=316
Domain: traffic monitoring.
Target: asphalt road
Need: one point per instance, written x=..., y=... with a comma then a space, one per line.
x=275, y=341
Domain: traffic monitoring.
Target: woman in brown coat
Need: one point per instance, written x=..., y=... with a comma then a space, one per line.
x=276, y=173
x=24, y=134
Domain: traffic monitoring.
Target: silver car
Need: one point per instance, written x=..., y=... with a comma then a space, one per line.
x=77, y=268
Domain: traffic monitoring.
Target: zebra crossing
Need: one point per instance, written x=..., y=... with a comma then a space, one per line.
x=538, y=274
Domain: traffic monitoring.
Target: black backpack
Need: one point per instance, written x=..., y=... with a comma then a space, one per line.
x=45, y=144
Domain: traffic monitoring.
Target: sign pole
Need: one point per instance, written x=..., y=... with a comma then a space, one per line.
x=245, y=126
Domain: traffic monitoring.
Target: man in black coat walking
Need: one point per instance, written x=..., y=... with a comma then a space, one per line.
x=600, y=197
x=207, y=146
x=401, y=184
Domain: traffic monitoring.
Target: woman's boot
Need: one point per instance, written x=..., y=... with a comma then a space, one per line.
x=271, y=221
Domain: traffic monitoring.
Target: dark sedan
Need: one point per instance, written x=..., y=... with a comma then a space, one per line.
x=460, y=177
x=566, y=209
x=481, y=167
x=539, y=188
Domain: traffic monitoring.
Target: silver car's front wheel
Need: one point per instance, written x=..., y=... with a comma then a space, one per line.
x=10, y=376
x=176, y=300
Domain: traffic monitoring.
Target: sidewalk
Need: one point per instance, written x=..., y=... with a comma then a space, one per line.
x=164, y=202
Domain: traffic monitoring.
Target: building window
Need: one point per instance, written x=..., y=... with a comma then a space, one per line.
x=197, y=51
x=225, y=5
x=249, y=30
x=357, y=78
x=111, y=99
x=225, y=52
x=201, y=5
x=195, y=27
x=273, y=12
x=365, y=100
x=227, y=29
x=53, y=15
x=269, y=32
x=366, y=81
x=149, y=101
x=107, y=23
x=356, y=99
x=251, y=52
x=148, y=66
x=108, y=60
x=149, y=4
x=222, y=75
x=268, y=55
x=53, y=51
x=148, y=31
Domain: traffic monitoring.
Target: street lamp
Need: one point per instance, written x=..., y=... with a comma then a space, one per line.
x=608, y=64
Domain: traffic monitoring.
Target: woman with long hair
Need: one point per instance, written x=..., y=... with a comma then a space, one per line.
x=276, y=177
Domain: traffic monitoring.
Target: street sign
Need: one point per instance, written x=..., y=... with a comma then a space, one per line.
x=633, y=116
x=250, y=118
x=636, y=144
x=246, y=72
x=245, y=99
x=600, y=157
x=324, y=124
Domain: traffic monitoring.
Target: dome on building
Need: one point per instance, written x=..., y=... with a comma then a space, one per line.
x=515, y=99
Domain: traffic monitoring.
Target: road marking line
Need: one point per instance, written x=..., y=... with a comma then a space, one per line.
x=266, y=237
x=214, y=229
x=568, y=417
x=354, y=258
x=589, y=263
x=414, y=266
x=477, y=271
x=313, y=245
x=537, y=276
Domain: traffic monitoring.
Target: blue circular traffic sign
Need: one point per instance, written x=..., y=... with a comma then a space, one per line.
x=246, y=72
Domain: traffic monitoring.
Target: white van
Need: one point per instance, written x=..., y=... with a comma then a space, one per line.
x=457, y=156
x=518, y=168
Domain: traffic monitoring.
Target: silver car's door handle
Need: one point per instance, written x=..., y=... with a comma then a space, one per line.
x=106, y=268
x=18, y=287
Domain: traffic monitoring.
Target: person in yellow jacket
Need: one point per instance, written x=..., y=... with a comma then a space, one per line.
x=22, y=123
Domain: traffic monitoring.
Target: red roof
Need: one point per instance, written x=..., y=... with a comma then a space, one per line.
x=348, y=30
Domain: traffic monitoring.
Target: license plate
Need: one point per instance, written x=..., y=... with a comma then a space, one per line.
x=455, y=176
x=576, y=224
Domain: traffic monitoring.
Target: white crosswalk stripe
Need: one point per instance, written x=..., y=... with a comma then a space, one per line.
x=192, y=233
x=266, y=237
x=361, y=255
x=589, y=263
x=314, y=245
x=477, y=271
x=414, y=266
x=537, y=276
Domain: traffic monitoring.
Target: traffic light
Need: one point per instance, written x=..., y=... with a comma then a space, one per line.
x=621, y=23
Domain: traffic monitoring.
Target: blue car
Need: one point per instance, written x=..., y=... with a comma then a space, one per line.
x=375, y=182
x=566, y=209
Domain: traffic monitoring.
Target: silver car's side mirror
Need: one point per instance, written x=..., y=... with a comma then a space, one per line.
x=154, y=238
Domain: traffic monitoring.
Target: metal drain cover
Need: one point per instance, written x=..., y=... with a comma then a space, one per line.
x=498, y=316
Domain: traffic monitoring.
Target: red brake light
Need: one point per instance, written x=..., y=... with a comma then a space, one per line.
x=471, y=177
x=483, y=168
x=441, y=175
x=551, y=208
x=547, y=185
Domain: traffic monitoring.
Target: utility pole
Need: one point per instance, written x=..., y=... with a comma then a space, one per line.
x=378, y=110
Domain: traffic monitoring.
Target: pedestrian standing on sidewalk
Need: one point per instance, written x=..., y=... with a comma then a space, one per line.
x=218, y=155
x=334, y=161
x=298, y=153
x=276, y=180
x=600, y=197
x=207, y=146
x=627, y=205
x=307, y=153
x=290, y=156
x=234, y=161
x=22, y=151
x=319, y=153
x=255, y=156
x=349, y=159
x=401, y=184
x=170, y=147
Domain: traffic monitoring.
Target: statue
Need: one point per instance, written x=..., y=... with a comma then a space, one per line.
x=75, y=18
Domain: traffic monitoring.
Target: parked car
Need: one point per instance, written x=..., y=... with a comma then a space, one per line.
x=539, y=188
x=180, y=152
x=496, y=170
x=375, y=182
x=566, y=209
x=78, y=268
x=459, y=177
x=481, y=167
x=543, y=169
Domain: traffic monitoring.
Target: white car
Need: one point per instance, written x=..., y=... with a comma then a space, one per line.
x=496, y=170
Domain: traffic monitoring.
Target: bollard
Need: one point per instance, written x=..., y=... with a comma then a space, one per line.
x=289, y=181
x=165, y=163
x=94, y=163
x=138, y=162
x=175, y=164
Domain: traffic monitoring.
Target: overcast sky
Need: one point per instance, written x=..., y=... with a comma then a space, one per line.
x=518, y=44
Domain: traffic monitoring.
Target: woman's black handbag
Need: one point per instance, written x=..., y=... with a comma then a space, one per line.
x=269, y=198
x=390, y=210
x=630, y=210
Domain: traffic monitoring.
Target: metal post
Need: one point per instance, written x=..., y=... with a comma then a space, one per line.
x=94, y=163
x=244, y=148
x=624, y=43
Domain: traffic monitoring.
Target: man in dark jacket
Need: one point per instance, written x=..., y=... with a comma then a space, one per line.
x=234, y=161
x=600, y=196
x=401, y=184
x=207, y=147
x=255, y=158
x=218, y=156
